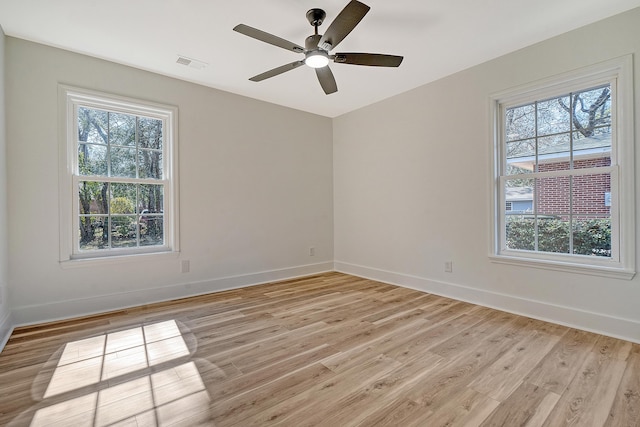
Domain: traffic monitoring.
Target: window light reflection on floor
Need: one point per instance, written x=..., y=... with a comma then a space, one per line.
x=151, y=398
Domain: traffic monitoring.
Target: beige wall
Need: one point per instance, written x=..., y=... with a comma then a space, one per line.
x=412, y=188
x=255, y=189
x=5, y=321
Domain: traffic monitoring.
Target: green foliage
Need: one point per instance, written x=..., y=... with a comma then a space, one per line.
x=590, y=237
x=121, y=205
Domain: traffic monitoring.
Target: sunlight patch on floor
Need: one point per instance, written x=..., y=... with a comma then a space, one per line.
x=152, y=398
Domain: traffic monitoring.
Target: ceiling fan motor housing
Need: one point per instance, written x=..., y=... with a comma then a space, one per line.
x=311, y=43
x=316, y=17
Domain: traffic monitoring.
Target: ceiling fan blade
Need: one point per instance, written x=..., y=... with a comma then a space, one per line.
x=371, y=59
x=327, y=81
x=342, y=25
x=268, y=38
x=276, y=71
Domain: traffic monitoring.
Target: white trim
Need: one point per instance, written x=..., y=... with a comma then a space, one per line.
x=68, y=98
x=619, y=73
x=6, y=329
x=67, y=309
x=617, y=327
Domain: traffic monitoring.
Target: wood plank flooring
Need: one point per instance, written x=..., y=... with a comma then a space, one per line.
x=326, y=350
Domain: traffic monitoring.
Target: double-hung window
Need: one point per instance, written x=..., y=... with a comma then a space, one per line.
x=118, y=186
x=567, y=145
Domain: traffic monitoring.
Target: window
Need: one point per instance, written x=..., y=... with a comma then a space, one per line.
x=567, y=145
x=119, y=184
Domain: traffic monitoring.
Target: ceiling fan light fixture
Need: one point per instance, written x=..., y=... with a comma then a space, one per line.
x=317, y=59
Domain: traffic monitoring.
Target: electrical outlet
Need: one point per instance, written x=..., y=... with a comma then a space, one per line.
x=185, y=266
x=448, y=266
x=312, y=251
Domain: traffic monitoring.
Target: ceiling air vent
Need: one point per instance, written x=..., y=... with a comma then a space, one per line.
x=190, y=62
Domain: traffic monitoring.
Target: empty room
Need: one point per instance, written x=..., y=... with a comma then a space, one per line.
x=319, y=213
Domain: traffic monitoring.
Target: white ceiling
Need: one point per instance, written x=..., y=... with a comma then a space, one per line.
x=437, y=38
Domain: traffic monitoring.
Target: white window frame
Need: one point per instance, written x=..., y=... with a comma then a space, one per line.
x=618, y=73
x=70, y=98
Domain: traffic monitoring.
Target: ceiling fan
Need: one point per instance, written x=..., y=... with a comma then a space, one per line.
x=317, y=46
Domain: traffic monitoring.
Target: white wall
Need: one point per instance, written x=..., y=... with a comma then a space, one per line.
x=255, y=189
x=412, y=189
x=5, y=319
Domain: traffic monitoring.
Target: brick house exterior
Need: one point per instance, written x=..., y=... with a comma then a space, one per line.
x=589, y=191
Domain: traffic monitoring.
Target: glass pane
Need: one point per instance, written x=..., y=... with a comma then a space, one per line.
x=92, y=159
x=92, y=233
x=520, y=122
x=554, y=147
x=594, y=151
x=150, y=162
x=592, y=109
x=519, y=222
x=150, y=133
x=92, y=126
x=122, y=129
x=123, y=231
x=123, y=198
x=518, y=196
x=92, y=197
x=592, y=236
x=520, y=232
x=151, y=199
x=521, y=156
x=123, y=162
x=553, y=116
x=151, y=230
x=553, y=196
x=591, y=195
x=553, y=234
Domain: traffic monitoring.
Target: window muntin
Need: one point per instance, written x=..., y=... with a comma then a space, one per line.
x=121, y=167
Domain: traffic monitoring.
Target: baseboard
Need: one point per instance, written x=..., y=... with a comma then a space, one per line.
x=41, y=313
x=616, y=327
x=6, y=328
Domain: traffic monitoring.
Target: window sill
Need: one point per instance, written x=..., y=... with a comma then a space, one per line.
x=117, y=259
x=567, y=267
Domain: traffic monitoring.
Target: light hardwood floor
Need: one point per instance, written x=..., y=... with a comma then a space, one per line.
x=329, y=350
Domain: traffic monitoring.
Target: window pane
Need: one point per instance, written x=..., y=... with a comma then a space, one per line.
x=520, y=232
x=151, y=199
x=151, y=230
x=593, y=151
x=150, y=133
x=521, y=156
x=592, y=236
x=123, y=198
x=553, y=116
x=92, y=159
x=592, y=109
x=553, y=235
x=123, y=162
x=92, y=233
x=554, y=147
x=93, y=197
x=518, y=194
x=123, y=231
x=590, y=194
x=553, y=195
x=92, y=126
x=122, y=129
x=519, y=222
x=520, y=122
x=150, y=164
